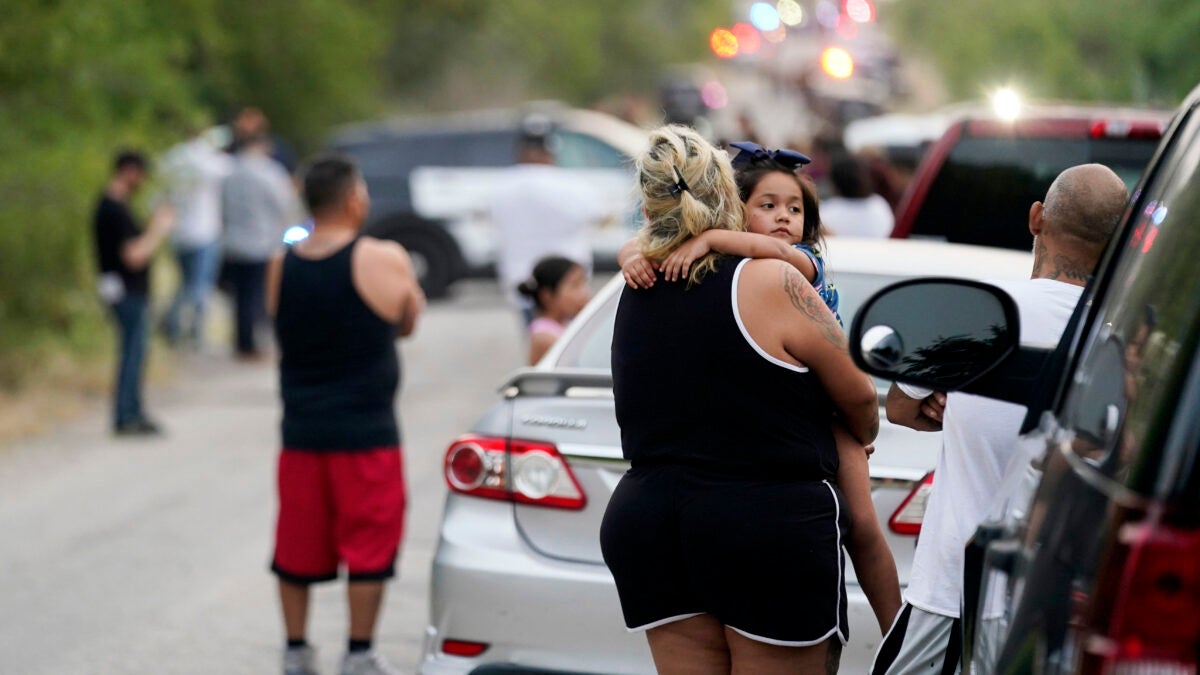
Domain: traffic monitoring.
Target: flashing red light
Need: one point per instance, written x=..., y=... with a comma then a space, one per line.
x=748, y=38
x=1126, y=129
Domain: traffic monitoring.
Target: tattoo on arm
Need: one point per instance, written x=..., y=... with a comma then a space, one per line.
x=806, y=300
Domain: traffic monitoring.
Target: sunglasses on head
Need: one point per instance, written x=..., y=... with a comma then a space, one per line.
x=749, y=153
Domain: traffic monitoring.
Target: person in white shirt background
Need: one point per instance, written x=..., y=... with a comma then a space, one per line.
x=1071, y=229
x=856, y=210
x=540, y=210
x=194, y=170
x=258, y=203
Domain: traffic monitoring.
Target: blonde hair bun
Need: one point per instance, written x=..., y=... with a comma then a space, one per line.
x=709, y=202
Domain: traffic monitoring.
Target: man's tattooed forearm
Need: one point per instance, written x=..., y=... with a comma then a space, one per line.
x=806, y=300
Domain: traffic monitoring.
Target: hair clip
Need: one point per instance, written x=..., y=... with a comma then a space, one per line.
x=679, y=186
x=748, y=153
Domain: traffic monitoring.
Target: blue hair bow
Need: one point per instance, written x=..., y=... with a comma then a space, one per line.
x=748, y=153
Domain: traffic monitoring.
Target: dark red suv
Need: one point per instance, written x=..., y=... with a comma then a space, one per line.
x=976, y=184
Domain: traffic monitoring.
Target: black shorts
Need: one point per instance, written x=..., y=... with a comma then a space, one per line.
x=762, y=556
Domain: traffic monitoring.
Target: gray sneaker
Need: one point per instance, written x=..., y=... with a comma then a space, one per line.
x=369, y=662
x=300, y=661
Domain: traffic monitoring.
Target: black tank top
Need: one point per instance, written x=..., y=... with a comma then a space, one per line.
x=692, y=389
x=338, y=371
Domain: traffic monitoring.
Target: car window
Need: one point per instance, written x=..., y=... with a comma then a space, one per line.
x=591, y=346
x=578, y=151
x=1122, y=398
x=984, y=189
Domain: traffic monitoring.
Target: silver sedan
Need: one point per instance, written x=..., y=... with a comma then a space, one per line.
x=518, y=581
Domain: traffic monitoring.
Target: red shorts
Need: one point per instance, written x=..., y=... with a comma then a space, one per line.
x=339, y=508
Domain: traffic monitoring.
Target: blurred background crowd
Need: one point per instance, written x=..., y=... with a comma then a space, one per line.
x=860, y=85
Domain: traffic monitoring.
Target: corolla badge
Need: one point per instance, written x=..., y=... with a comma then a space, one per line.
x=554, y=422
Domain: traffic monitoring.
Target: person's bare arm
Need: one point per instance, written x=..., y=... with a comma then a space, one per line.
x=812, y=336
x=539, y=344
x=413, y=298
x=869, y=551
x=922, y=414
x=274, y=275
x=637, y=270
x=384, y=277
x=744, y=244
x=137, y=252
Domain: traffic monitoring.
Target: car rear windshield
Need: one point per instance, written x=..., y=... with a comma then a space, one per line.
x=984, y=190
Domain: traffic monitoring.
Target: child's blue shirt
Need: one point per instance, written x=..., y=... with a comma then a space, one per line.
x=821, y=285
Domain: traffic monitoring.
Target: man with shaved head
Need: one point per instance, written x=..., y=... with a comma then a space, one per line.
x=1071, y=229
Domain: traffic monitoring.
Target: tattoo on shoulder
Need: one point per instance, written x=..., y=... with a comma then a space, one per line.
x=802, y=296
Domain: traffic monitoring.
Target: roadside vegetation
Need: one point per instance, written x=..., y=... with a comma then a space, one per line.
x=1120, y=51
x=81, y=79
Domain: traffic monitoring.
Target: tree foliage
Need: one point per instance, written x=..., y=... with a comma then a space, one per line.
x=1101, y=50
x=80, y=79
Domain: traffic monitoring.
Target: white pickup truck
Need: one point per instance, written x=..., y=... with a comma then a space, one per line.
x=431, y=178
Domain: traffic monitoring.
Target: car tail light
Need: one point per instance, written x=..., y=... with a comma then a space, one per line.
x=1126, y=129
x=528, y=472
x=463, y=647
x=1150, y=621
x=908, y=517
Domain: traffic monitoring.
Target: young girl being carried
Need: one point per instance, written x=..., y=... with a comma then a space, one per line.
x=559, y=290
x=783, y=221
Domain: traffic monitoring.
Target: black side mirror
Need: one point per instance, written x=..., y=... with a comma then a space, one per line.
x=942, y=334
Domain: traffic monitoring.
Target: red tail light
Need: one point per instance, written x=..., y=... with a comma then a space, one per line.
x=463, y=647
x=529, y=472
x=908, y=517
x=1150, y=623
x=1125, y=129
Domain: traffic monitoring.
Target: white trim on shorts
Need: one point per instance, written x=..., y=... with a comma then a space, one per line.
x=837, y=529
x=663, y=622
x=787, y=643
x=737, y=315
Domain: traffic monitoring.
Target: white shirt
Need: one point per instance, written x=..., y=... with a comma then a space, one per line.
x=868, y=217
x=979, y=436
x=258, y=203
x=194, y=171
x=542, y=210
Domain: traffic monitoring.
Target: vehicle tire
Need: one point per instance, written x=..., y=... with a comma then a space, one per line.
x=436, y=258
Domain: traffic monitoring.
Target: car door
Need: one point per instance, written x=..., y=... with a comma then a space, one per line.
x=1068, y=588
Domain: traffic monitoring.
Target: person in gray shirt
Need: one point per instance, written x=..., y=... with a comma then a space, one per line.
x=258, y=203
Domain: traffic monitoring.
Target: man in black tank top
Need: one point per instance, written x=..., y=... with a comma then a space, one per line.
x=339, y=302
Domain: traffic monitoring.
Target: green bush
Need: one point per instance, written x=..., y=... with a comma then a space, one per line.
x=79, y=80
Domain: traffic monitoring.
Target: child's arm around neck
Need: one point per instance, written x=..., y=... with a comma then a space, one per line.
x=744, y=244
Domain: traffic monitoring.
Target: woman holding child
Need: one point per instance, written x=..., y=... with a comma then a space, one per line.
x=725, y=536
